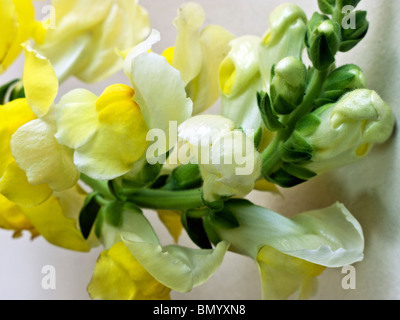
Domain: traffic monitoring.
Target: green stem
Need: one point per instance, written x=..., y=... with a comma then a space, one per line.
x=337, y=15
x=99, y=186
x=270, y=156
x=167, y=200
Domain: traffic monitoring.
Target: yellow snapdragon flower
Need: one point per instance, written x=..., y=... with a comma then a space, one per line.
x=18, y=24
x=119, y=276
x=197, y=54
x=109, y=133
x=87, y=33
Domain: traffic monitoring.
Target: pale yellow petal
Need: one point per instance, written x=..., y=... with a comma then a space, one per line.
x=14, y=186
x=119, y=276
x=283, y=275
x=44, y=160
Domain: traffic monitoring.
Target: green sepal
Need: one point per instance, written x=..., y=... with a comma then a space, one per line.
x=209, y=228
x=282, y=106
x=322, y=46
x=351, y=37
x=353, y=3
x=184, y=177
x=307, y=124
x=270, y=119
x=88, y=214
x=147, y=175
x=339, y=78
x=113, y=212
x=195, y=230
x=284, y=179
x=299, y=172
x=224, y=219
x=295, y=149
x=4, y=89
x=258, y=137
x=326, y=6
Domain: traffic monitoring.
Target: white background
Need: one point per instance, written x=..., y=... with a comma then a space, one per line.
x=369, y=189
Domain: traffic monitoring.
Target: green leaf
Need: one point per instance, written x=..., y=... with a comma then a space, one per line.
x=17, y=93
x=271, y=120
x=195, y=230
x=88, y=214
x=351, y=37
x=308, y=124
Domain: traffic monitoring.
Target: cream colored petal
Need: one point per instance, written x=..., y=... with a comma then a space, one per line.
x=151, y=73
x=188, y=53
x=44, y=160
x=76, y=118
x=204, y=88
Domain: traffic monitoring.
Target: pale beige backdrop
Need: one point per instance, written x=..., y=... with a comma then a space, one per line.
x=369, y=189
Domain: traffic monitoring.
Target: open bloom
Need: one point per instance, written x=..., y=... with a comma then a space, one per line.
x=108, y=133
x=197, y=54
x=87, y=33
x=18, y=24
x=228, y=160
x=144, y=269
x=290, y=253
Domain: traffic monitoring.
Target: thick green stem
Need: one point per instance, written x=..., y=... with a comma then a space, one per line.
x=167, y=200
x=270, y=156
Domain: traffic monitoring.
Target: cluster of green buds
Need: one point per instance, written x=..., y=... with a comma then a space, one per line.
x=323, y=116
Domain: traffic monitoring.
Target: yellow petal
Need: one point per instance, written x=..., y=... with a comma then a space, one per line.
x=44, y=160
x=169, y=54
x=14, y=186
x=12, y=115
x=40, y=82
x=264, y=185
x=52, y=220
x=283, y=275
x=119, y=276
x=120, y=138
x=17, y=22
x=12, y=218
x=172, y=221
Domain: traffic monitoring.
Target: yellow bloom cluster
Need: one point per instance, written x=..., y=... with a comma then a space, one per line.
x=78, y=168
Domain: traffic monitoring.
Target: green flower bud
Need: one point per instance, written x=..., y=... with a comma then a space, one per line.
x=289, y=77
x=323, y=41
x=341, y=81
x=284, y=38
x=344, y=132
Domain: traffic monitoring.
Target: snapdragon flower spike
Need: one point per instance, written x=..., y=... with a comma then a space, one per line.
x=345, y=132
x=87, y=34
x=228, y=161
x=290, y=253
